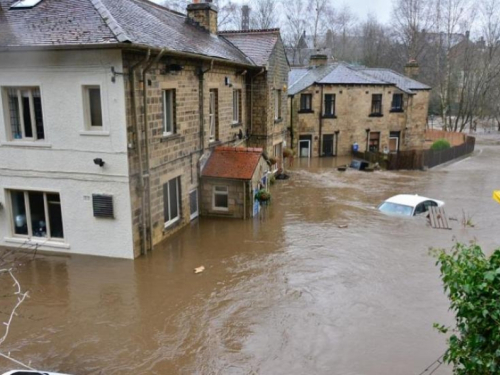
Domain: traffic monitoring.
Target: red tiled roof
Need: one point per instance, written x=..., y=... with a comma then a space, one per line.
x=233, y=163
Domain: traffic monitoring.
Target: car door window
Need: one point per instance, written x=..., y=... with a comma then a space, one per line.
x=420, y=209
x=429, y=204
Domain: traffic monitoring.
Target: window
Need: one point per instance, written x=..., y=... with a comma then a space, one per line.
x=37, y=214
x=397, y=103
x=25, y=4
x=168, y=100
x=93, y=107
x=374, y=141
x=278, y=154
x=277, y=104
x=212, y=116
x=220, y=199
x=171, y=201
x=376, y=104
x=236, y=106
x=329, y=105
x=306, y=102
x=25, y=113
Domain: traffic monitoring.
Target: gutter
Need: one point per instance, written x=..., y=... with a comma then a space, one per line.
x=201, y=76
x=139, y=147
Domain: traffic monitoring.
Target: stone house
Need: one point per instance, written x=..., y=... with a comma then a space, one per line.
x=333, y=106
x=230, y=181
x=110, y=110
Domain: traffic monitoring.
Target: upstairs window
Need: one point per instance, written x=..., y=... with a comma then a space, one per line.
x=168, y=103
x=397, y=103
x=376, y=105
x=25, y=113
x=212, y=115
x=329, y=105
x=25, y=4
x=277, y=104
x=306, y=102
x=93, y=107
x=236, y=106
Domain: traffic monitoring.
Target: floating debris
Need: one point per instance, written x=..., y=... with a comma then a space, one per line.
x=199, y=269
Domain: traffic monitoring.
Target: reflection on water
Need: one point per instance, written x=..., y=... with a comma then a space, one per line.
x=287, y=293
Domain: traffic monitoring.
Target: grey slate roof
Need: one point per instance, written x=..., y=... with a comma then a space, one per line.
x=256, y=44
x=342, y=74
x=92, y=22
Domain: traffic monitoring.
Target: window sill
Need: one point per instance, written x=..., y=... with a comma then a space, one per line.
x=376, y=115
x=306, y=111
x=42, y=243
x=95, y=133
x=221, y=209
x=169, y=137
x=329, y=116
x=172, y=224
x=397, y=111
x=214, y=143
x=34, y=144
x=236, y=124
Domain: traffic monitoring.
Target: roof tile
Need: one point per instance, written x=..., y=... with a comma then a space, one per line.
x=237, y=163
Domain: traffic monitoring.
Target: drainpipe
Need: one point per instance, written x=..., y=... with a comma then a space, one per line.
x=291, y=121
x=251, y=99
x=201, y=75
x=146, y=174
x=244, y=200
x=139, y=144
x=321, y=123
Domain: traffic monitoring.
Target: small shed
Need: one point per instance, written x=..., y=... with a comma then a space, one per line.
x=230, y=179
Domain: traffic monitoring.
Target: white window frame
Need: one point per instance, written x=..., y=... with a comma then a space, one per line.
x=86, y=103
x=7, y=113
x=236, y=106
x=212, y=116
x=178, y=200
x=168, y=121
x=277, y=104
x=225, y=193
x=28, y=215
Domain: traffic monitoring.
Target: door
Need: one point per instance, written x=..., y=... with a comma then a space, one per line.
x=305, y=148
x=394, y=141
x=328, y=145
x=193, y=204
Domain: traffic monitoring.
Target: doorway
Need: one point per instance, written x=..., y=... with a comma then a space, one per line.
x=193, y=204
x=305, y=146
x=394, y=141
x=328, y=145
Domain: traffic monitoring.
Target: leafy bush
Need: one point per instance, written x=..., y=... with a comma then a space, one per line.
x=273, y=160
x=472, y=283
x=263, y=196
x=287, y=153
x=440, y=144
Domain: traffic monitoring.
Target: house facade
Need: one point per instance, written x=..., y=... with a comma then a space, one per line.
x=109, y=112
x=335, y=106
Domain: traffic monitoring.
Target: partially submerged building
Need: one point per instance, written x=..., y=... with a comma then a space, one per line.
x=335, y=105
x=110, y=110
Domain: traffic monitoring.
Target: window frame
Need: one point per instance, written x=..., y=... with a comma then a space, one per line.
x=176, y=219
x=5, y=91
x=88, y=110
x=333, y=99
x=236, y=106
x=377, y=139
x=277, y=105
x=377, y=101
x=27, y=209
x=166, y=132
x=213, y=133
x=400, y=108
x=306, y=103
x=226, y=194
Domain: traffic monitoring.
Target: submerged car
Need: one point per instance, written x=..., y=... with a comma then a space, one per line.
x=408, y=205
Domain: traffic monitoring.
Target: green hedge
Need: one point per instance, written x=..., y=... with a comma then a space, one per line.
x=440, y=144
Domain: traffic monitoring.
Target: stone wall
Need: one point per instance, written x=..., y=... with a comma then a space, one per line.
x=352, y=118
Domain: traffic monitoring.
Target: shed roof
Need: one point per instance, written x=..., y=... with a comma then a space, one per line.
x=236, y=163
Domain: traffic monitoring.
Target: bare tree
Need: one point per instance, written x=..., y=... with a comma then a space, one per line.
x=320, y=11
x=344, y=24
x=264, y=14
x=295, y=25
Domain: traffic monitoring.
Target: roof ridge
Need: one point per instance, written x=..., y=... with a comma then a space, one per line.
x=110, y=21
x=162, y=7
x=250, y=31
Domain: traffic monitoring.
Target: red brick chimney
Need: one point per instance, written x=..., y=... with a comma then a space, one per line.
x=204, y=13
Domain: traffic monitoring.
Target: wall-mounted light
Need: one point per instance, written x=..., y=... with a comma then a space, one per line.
x=367, y=130
x=99, y=162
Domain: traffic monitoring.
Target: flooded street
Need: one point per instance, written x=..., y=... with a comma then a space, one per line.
x=288, y=293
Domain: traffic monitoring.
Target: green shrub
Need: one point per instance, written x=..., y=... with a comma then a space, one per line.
x=440, y=144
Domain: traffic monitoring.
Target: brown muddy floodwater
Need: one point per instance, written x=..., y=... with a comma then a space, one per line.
x=287, y=293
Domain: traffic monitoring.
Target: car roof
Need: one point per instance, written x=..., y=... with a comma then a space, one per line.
x=409, y=200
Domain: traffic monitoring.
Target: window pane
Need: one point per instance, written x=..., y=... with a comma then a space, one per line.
x=95, y=106
x=168, y=111
x=37, y=211
x=14, y=114
x=166, y=210
x=174, y=201
x=55, y=216
x=25, y=98
x=19, y=212
x=221, y=200
x=37, y=102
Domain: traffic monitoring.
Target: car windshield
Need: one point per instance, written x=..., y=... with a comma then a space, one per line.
x=396, y=209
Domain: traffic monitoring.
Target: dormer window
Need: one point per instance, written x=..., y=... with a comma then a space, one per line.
x=25, y=4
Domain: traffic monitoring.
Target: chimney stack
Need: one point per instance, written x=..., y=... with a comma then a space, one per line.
x=317, y=60
x=412, y=69
x=245, y=17
x=204, y=13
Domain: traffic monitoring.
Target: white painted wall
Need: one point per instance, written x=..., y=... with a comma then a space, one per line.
x=63, y=162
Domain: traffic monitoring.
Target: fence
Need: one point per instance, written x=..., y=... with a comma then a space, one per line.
x=455, y=139
x=418, y=159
